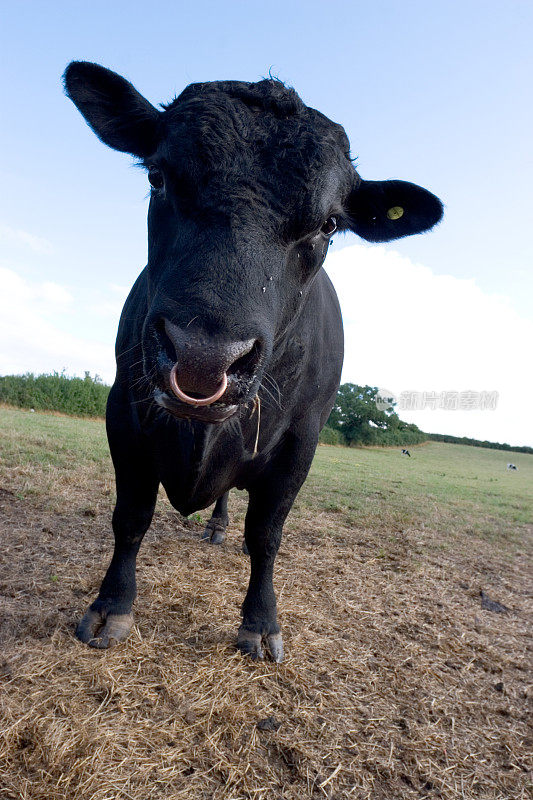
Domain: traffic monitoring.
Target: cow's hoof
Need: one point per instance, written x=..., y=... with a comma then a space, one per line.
x=245, y=548
x=214, y=531
x=249, y=643
x=101, y=631
x=275, y=647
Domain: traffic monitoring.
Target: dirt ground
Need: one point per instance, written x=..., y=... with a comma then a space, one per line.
x=398, y=681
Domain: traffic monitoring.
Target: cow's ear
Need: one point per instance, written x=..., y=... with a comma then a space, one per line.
x=120, y=116
x=383, y=210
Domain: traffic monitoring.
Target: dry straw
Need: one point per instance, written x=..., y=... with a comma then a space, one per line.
x=397, y=684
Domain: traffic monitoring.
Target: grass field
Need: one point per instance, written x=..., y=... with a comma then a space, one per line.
x=397, y=682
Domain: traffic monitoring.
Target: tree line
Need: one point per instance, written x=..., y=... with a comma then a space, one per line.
x=84, y=397
x=445, y=437
x=355, y=418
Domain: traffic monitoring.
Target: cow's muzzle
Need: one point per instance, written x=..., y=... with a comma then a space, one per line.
x=205, y=377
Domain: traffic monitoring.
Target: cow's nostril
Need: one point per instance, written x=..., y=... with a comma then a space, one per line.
x=166, y=345
x=248, y=362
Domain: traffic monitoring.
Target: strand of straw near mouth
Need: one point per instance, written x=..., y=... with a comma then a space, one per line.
x=257, y=405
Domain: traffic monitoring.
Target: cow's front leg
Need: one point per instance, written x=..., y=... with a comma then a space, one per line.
x=271, y=499
x=259, y=611
x=108, y=619
x=215, y=530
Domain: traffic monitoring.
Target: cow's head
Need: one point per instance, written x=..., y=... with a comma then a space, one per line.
x=248, y=185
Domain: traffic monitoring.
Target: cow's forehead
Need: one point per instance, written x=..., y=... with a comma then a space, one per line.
x=233, y=127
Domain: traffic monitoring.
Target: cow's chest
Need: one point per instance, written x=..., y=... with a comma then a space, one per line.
x=199, y=463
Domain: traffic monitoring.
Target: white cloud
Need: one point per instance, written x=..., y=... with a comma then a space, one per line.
x=111, y=305
x=120, y=290
x=409, y=329
x=35, y=323
x=17, y=236
x=54, y=295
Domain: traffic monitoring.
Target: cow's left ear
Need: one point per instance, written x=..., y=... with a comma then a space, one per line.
x=383, y=210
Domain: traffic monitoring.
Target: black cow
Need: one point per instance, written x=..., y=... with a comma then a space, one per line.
x=248, y=186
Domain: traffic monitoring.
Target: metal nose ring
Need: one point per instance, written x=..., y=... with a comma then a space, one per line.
x=196, y=401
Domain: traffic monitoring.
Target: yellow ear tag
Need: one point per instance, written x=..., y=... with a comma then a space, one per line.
x=395, y=212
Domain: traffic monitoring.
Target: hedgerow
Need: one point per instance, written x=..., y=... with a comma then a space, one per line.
x=57, y=391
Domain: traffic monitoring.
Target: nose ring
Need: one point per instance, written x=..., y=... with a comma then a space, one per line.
x=196, y=401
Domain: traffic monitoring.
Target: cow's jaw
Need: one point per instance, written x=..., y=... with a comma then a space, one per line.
x=215, y=413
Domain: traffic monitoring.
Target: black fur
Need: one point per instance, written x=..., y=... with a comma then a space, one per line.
x=245, y=177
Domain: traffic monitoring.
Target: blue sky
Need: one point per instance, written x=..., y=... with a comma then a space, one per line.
x=436, y=93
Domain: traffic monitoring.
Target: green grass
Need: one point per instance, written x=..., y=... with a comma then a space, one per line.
x=449, y=486
x=50, y=439
x=455, y=489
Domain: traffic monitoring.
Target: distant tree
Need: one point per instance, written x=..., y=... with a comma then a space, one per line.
x=330, y=436
x=356, y=416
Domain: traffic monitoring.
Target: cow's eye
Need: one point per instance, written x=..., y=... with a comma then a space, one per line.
x=329, y=227
x=155, y=177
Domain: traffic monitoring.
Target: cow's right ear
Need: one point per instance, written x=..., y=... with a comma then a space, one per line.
x=120, y=116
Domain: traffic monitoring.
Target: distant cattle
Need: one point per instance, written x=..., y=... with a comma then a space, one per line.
x=406, y=453
x=512, y=466
x=230, y=344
